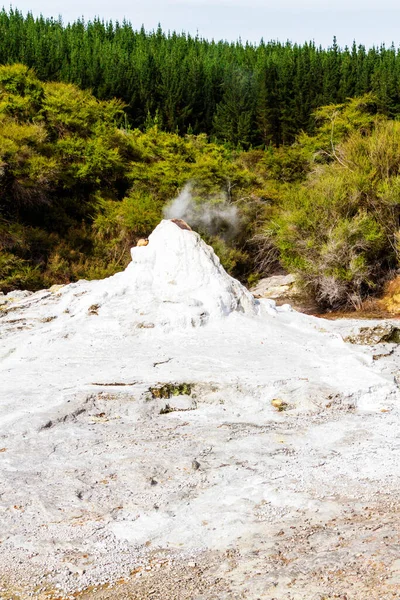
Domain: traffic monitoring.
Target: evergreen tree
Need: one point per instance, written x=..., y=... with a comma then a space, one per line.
x=234, y=116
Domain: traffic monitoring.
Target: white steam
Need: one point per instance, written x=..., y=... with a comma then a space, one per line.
x=213, y=215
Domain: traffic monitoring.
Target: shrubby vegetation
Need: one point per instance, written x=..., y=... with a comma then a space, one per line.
x=78, y=187
x=340, y=227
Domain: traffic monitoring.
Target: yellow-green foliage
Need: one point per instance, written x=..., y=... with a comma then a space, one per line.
x=68, y=110
x=339, y=228
x=21, y=92
x=81, y=189
x=336, y=122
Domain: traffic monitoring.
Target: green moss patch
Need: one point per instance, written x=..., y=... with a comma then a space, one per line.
x=168, y=390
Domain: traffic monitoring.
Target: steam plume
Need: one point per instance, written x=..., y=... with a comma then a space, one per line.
x=212, y=215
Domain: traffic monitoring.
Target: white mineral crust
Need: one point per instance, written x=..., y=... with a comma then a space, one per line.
x=99, y=466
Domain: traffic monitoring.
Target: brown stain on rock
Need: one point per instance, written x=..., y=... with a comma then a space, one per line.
x=182, y=224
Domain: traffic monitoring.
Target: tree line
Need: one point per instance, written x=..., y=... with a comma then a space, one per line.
x=243, y=94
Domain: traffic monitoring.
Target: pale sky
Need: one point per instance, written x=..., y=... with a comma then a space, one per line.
x=367, y=21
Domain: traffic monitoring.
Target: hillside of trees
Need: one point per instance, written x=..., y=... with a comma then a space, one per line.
x=78, y=187
x=238, y=93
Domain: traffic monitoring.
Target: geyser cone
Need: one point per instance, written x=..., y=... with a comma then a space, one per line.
x=174, y=280
x=182, y=276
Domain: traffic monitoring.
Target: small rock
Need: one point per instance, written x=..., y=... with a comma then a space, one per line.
x=275, y=286
x=279, y=404
x=283, y=289
x=195, y=465
x=374, y=334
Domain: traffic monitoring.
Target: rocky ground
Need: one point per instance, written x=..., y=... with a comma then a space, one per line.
x=162, y=440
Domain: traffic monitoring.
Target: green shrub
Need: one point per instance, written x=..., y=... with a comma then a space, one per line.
x=338, y=229
x=16, y=272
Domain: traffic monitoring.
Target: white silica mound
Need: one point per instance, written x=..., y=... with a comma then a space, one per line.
x=178, y=268
x=175, y=281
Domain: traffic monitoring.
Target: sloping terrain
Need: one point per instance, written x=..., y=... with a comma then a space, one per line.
x=165, y=435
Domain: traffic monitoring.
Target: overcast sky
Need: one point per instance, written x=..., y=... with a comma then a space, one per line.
x=367, y=21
